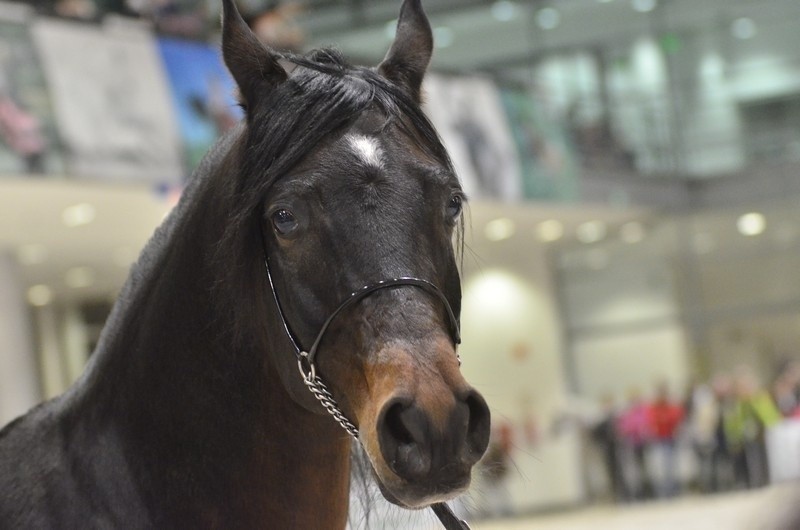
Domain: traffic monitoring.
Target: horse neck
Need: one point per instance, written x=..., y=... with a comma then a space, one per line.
x=209, y=426
x=307, y=468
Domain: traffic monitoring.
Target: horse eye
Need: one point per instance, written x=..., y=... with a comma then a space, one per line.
x=284, y=222
x=454, y=206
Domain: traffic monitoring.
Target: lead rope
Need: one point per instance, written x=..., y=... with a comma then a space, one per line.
x=323, y=395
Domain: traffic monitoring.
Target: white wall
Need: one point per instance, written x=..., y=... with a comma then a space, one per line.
x=637, y=358
x=624, y=324
x=513, y=353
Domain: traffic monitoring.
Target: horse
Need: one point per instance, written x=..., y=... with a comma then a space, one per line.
x=307, y=281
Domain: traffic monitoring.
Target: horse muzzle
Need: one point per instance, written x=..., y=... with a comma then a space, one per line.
x=431, y=453
x=422, y=426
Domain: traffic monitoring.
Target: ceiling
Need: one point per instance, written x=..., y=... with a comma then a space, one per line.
x=114, y=222
x=493, y=35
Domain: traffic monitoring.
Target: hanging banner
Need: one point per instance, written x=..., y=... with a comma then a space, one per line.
x=111, y=101
x=202, y=95
x=469, y=115
x=28, y=139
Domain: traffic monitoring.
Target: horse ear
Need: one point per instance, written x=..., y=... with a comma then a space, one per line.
x=410, y=54
x=254, y=67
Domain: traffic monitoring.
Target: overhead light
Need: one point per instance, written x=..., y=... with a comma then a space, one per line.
x=40, y=295
x=443, y=37
x=548, y=18
x=499, y=229
x=751, y=224
x=643, y=6
x=632, y=232
x=744, y=28
x=504, y=11
x=591, y=232
x=78, y=215
x=550, y=230
x=79, y=277
x=31, y=254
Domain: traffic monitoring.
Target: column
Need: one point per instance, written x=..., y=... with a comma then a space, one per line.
x=19, y=381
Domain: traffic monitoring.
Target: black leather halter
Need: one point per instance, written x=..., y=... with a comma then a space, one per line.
x=307, y=367
x=310, y=354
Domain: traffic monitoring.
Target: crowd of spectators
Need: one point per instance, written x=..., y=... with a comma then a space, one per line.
x=724, y=421
x=661, y=443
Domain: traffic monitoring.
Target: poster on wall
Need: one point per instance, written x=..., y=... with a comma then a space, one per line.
x=548, y=162
x=469, y=115
x=28, y=139
x=202, y=95
x=111, y=101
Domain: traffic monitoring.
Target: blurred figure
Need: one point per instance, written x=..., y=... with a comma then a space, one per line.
x=783, y=393
x=579, y=417
x=75, y=9
x=722, y=458
x=20, y=130
x=792, y=372
x=275, y=24
x=604, y=435
x=702, y=413
x=635, y=433
x=494, y=472
x=786, y=390
x=665, y=419
x=80, y=9
x=188, y=19
x=745, y=424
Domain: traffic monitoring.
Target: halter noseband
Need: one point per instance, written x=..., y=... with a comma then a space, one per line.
x=306, y=358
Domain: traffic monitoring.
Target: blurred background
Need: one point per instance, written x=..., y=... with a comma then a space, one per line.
x=631, y=294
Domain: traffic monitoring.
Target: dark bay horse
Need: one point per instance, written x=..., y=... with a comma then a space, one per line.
x=324, y=221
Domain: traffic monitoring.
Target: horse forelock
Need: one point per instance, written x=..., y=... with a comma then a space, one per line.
x=323, y=96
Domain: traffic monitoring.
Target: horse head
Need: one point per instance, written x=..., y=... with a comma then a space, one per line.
x=349, y=185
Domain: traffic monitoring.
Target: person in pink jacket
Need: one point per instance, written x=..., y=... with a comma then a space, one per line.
x=635, y=432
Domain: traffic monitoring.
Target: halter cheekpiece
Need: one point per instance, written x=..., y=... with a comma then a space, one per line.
x=307, y=367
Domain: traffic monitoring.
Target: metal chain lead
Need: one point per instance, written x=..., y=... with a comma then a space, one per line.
x=323, y=395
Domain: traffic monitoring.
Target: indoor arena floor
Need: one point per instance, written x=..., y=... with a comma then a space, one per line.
x=763, y=509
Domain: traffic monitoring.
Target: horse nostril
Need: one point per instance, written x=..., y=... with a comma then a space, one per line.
x=478, y=428
x=395, y=424
x=404, y=438
x=417, y=451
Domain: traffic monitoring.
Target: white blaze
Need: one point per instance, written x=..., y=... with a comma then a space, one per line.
x=367, y=149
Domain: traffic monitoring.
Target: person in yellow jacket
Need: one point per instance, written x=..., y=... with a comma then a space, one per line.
x=745, y=423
